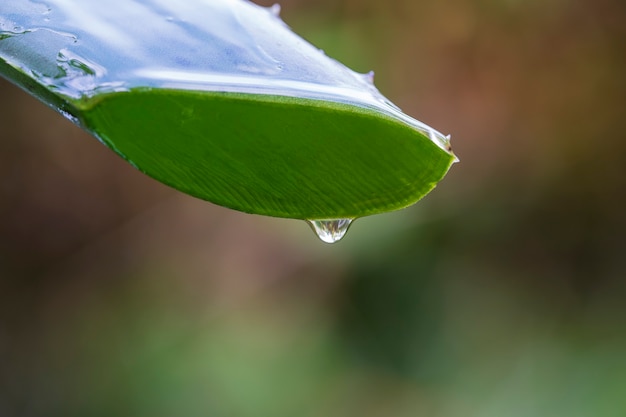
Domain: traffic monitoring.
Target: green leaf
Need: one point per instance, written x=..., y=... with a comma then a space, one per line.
x=222, y=101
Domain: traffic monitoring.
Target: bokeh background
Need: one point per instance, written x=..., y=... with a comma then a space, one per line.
x=502, y=293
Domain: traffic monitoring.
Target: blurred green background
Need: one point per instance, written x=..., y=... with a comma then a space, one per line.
x=503, y=293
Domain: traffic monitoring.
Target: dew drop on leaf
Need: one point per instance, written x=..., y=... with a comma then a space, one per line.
x=330, y=231
x=275, y=9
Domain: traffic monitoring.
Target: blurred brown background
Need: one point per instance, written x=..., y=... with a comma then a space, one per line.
x=502, y=293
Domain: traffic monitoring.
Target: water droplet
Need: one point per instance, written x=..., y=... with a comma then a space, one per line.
x=448, y=147
x=275, y=9
x=369, y=77
x=330, y=231
x=69, y=116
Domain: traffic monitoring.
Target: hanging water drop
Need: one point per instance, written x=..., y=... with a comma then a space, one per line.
x=330, y=231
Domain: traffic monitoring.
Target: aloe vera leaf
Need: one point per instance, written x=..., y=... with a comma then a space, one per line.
x=221, y=100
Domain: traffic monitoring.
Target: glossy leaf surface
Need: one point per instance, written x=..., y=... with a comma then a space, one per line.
x=220, y=100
